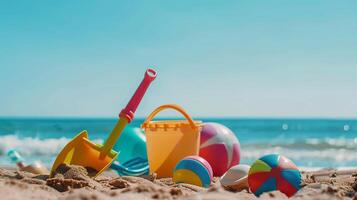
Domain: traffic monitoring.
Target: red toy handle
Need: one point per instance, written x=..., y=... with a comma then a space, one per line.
x=129, y=110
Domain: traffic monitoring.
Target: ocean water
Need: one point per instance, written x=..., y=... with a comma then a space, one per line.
x=310, y=143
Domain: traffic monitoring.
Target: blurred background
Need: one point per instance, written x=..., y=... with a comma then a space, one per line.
x=280, y=74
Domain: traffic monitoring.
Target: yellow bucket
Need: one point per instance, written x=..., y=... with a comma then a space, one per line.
x=169, y=141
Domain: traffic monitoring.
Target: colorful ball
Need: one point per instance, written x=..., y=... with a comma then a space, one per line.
x=220, y=147
x=193, y=170
x=274, y=172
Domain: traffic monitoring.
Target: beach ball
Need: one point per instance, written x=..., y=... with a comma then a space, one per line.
x=193, y=170
x=220, y=147
x=274, y=172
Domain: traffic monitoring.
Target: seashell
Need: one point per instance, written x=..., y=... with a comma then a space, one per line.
x=236, y=178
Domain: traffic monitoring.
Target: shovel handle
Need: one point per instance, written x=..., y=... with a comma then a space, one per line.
x=127, y=114
x=129, y=110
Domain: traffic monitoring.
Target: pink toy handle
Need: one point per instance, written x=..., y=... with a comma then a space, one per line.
x=129, y=110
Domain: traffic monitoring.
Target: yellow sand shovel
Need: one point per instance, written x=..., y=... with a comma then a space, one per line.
x=95, y=157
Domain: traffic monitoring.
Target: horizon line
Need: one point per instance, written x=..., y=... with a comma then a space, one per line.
x=172, y=117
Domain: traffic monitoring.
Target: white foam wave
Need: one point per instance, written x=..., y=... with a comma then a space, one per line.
x=331, y=154
x=310, y=152
x=335, y=157
x=33, y=146
x=308, y=143
x=333, y=142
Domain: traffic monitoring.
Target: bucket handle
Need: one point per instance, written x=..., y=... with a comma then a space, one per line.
x=167, y=106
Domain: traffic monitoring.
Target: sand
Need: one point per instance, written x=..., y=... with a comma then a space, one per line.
x=72, y=183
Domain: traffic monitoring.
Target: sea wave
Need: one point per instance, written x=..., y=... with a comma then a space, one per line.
x=309, y=143
x=29, y=146
x=312, y=152
x=327, y=155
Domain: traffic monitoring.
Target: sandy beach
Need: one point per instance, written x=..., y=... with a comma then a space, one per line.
x=72, y=183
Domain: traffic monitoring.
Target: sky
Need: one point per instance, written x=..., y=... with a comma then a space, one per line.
x=214, y=58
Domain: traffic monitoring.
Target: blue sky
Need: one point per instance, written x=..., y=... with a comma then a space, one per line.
x=215, y=58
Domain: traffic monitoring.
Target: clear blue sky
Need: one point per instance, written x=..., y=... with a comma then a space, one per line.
x=215, y=58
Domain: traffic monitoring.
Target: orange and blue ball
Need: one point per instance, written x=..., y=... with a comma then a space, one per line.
x=274, y=172
x=193, y=170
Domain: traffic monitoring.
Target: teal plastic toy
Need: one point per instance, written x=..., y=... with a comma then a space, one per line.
x=35, y=168
x=15, y=157
x=133, y=158
x=132, y=144
x=134, y=167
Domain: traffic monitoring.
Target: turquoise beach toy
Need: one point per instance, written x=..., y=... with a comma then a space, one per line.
x=134, y=167
x=193, y=170
x=15, y=157
x=133, y=158
x=132, y=144
x=35, y=168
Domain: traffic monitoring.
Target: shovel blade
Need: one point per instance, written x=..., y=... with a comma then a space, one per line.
x=81, y=151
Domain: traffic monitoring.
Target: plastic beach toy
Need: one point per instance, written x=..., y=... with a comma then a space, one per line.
x=236, y=178
x=220, y=147
x=132, y=144
x=193, y=170
x=133, y=158
x=170, y=141
x=35, y=168
x=95, y=157
x=134, y=167
x=274, y=172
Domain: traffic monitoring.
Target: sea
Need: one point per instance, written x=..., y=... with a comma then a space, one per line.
x=310, y=143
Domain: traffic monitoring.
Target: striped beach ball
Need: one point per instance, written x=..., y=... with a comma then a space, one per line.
x=274, y=172
x=193, y=170
x=220, y=147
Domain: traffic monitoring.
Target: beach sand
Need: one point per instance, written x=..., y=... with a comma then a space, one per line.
x=72, y=183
